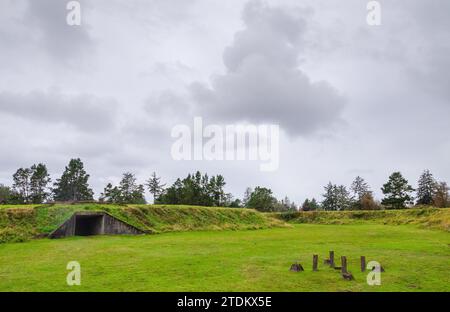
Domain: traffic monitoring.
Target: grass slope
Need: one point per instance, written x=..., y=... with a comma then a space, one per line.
x=432, y=218
x=20, y=223
x=415, y=259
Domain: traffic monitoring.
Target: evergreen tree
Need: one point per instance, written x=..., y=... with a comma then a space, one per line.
x=343, y=198
x=5, y=194
x=73, y=184
x=262, y=199
x=330, y=201
x=306, y=206
x=154, y=186
x=426, y=186
x=360, y=188
x=285, y=205
x=247, y=194
x=22, y=185
x=172, y=195
x=111, y=194
x=314, y=205
x=397, y=192
x=216, y=190
x=38, y=184
x=197, y=189
x=336, y=198
x=130, y=191
x=310, y=205
x=234, y=203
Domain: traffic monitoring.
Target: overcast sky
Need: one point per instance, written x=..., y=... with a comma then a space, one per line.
x=350, y=99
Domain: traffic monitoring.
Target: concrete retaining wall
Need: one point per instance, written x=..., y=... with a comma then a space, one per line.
x=93, y=223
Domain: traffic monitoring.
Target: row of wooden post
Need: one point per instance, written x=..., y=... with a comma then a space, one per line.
x=344, y=271
x=332, y=263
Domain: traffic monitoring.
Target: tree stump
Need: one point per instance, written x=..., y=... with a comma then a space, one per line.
x=348, y=276
x=296, y=267
x=315, y=262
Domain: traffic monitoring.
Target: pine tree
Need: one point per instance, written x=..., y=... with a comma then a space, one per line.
x=111, y=194
x=73, y=184
x=426, y=185
x=22, y=185
x=216, y=190
x=154, y=186
x=344, y=200
x=397, y=192
x=360, y=187
x=314, y=204
x=5, y=194
x=38, y=184
x=130, y=191
x=262, y=199
x=361, y=190
x=247, y=194
x=330, y=199
x=197, y=189
x=336, y=197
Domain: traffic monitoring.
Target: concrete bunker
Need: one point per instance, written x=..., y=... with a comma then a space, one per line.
x=87, y=223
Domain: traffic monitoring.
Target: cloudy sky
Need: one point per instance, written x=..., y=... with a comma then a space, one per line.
x=350, y=99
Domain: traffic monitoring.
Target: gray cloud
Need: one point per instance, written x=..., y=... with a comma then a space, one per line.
x=62, y=41
x=85, y=112
x=263, y=82
x=167, y=104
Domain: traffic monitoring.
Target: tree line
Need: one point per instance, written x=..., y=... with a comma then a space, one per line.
x=34, y=186
x=398, y=194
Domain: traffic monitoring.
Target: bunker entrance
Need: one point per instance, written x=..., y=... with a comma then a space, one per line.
x=86, y=225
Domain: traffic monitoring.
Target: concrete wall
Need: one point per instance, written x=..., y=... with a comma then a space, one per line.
x=81, y=223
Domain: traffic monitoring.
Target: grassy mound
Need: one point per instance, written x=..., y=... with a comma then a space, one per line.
x=432, y=218
x=20, y=223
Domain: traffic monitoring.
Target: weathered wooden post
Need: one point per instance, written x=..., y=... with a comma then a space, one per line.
x=363, y=263
x=344, y=264
x=332, y=259
x=345, y=274
x=315, y=262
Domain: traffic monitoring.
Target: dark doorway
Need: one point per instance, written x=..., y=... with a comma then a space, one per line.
x=86, y=225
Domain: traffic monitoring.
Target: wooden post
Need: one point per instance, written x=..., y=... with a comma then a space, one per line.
x=315, y=262
x=363, y=263
x=344, y=264
x=332, y=259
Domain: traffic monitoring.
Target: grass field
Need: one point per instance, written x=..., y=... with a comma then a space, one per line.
x=415, y=259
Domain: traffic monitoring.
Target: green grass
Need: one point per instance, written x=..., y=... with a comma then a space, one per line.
x=415, y=259
x=21, y=223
